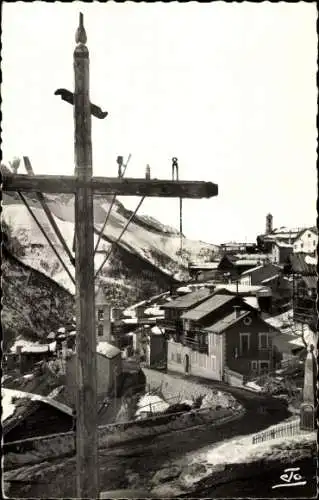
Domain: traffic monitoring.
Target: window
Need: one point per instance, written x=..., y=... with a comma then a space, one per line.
x=244, y=343
x=254, y=365
x=213, y=359
x=172, y=356
x=263, y=341
x=178, y=358
x=100, y=314
x=100, y=330
x=264, y=366
x=203, y=361
x=301, y=245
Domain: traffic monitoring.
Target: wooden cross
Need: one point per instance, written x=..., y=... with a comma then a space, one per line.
x=84, y=186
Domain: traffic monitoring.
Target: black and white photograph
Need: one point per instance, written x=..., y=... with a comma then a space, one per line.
x=159, y=250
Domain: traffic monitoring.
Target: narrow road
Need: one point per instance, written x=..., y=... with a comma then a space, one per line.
x=142, y=458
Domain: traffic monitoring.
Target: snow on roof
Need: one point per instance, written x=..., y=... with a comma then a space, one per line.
x=252, y=301
x=271, y=278
x=108, y=350
x=249, y=271
x=29, y=346
x=156, y=330
x=246, y=262
x=204, y=265
x=311, y=260
x=154, y=311
x=151, y=403
x=189, y=300
x=248, y=289
x=61, y=330
x=129, y=321
x=8, y=406
x=183, y=289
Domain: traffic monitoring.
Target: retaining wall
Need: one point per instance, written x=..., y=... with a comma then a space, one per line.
x=35, y=450
x=171, y=386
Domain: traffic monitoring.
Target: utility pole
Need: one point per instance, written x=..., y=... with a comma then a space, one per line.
x=86, y=395
x=83, y=186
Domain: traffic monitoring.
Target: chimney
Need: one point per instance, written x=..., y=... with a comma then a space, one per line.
x=148, y=172
x=237, y=311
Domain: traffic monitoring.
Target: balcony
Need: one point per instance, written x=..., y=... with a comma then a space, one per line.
x=170, y=324
x=195, y=345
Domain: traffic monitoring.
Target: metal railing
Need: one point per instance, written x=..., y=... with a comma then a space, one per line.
x=289, y=429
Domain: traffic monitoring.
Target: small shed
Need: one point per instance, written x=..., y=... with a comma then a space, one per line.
x=109, y=372
x=27, y=415
x=156, y=352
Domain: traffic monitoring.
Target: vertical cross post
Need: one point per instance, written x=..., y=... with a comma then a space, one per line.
x=86, y=391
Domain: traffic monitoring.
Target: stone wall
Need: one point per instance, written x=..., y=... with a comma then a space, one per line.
x=32, y=451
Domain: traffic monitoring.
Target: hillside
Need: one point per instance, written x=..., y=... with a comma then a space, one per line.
x=32, y=304
x=147, y=255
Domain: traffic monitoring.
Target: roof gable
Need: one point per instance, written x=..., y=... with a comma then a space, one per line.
x=226, y=322
x=188, y=300
x=208, y=306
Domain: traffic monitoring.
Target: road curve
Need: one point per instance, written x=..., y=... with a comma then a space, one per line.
x=146, y=456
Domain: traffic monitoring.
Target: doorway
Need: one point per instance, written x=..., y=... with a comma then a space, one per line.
x=186, y=363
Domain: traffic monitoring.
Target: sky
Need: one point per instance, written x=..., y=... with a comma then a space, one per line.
x=227, y=88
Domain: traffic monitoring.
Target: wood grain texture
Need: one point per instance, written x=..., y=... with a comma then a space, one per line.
x=86, y=390
x=110, y=185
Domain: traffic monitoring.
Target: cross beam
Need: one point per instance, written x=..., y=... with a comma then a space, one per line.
x=84, y=187
x=110, y=185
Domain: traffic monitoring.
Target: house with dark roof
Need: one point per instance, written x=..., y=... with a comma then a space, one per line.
x=303, y=272
x=281, y=250
x=173, y=309
x=27, y=415
x=258, y=274
x=222, y=333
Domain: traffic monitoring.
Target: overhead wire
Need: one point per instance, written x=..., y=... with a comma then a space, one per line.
x=120, y=237
x=121, y=175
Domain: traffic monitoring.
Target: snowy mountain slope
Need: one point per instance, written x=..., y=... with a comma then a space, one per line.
x=155, y=244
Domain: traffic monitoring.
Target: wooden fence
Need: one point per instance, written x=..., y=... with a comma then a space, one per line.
x=289, y=429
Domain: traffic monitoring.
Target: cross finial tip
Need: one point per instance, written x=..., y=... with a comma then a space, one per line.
x=80, y=36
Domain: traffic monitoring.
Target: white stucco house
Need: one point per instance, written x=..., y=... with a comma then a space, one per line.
x=306, y=241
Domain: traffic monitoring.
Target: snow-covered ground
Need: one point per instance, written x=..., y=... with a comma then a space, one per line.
x=137, y=239
x=241, y=449
x=151, y=403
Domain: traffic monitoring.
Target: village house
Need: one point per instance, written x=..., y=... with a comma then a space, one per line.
x=173, y=310
x=258, y=274
x=222, y=333
x=156, y=349
x=303, y=271
x=102, y=317
x=281, y=251
x=25, y=355
x=27, y=415
x=306, y=241
x=108, y=367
